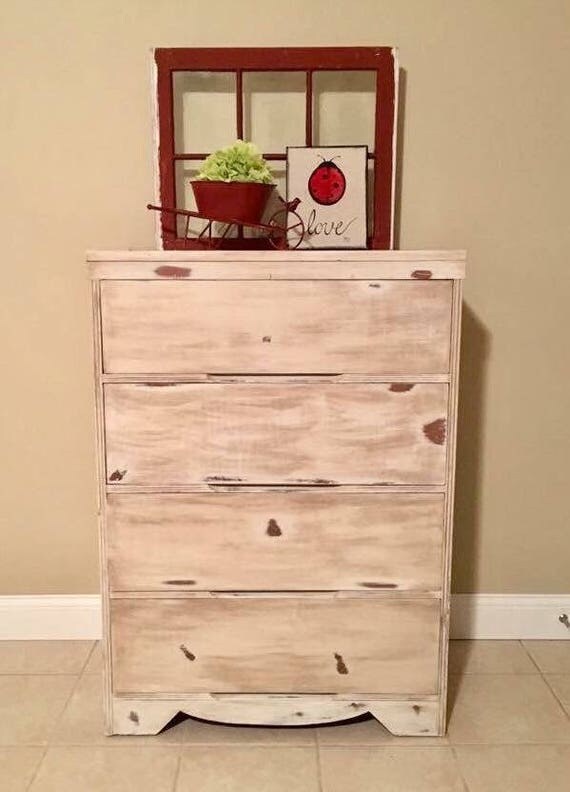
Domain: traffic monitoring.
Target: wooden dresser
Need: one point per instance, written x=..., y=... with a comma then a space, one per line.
x=276, y=457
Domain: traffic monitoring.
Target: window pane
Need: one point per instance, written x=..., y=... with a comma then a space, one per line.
x=204, y=111
x=343, y=108
x=274, y=109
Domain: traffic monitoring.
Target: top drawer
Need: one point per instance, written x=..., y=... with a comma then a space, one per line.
x=261, y=327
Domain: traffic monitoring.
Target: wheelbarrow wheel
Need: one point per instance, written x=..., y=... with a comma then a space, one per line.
x=287, y=229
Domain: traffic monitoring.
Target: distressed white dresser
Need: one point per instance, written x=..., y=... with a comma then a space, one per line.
x=276, y=459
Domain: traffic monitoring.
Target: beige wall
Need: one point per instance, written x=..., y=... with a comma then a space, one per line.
x=486, y=166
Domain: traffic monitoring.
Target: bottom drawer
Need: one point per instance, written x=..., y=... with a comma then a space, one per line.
x=275, y=644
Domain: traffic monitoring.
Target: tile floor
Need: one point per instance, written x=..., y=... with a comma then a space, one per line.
x=509, y=730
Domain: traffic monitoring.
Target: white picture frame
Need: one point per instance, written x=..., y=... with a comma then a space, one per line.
x=331, y=184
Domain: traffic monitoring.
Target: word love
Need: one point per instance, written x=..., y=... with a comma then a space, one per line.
x=327, y=227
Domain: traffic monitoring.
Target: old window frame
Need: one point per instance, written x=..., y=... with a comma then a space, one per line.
x=382, y=60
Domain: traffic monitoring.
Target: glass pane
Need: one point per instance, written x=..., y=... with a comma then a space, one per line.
x=344, y=105
x=274, y=109
x=204, y=111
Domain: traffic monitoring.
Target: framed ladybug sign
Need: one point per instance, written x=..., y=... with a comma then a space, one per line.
x=330, y=182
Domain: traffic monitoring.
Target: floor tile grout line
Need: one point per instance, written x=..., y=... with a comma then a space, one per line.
x=529, y=655
x=479, y=744
x=59, y=718
x=43, y=673
x=459, y=770
x=494, y=673
x=38, y=766
x=177, y=772
x=558, y=700
x=88, y=659
x=78, y=678
x=320, y=781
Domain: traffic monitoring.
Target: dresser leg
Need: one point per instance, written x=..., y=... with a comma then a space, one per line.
x=139, y=716
x=148, y=716
x=408, y=718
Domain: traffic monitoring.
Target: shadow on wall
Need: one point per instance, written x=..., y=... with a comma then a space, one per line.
x=475, y=344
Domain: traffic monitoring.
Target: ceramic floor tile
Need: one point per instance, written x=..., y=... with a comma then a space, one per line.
x=248, y=769
x=390, y=769
x=552, y=657
x=504, y=708
x=560, y=684
x=30, y=707
x=43, y=657
x=98, y=769
x=489, y=657
x=369, y=732
x=515, y=768
x=95, y=662
x=17, y=767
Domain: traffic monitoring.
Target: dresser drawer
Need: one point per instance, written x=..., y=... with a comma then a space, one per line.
x=275, y=644
x=381, y=327
x=274, y=540
x=269, y=434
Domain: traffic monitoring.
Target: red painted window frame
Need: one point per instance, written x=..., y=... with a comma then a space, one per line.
x=382, y=60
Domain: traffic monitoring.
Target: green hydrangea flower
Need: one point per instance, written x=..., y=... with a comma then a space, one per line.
x=240, y=162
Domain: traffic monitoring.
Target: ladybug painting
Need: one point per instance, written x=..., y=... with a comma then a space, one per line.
x=327, y=183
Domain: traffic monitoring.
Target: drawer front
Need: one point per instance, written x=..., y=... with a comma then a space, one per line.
x=382, y=327
x=279, y=644
x=274, y=540
x=268, y=434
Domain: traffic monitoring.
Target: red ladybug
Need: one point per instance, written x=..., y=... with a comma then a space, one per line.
x=327, y=183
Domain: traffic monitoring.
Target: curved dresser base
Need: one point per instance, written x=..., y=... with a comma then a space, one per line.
x=149, y=716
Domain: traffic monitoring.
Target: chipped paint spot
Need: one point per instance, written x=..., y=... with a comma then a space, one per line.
x=340, y=664
x=117, y=475
x=221, y=478
x=401, y=387
x=179, y=582
x=317, y=482
x=357, y=705
x=435, y=431
x=170, y=271
x=187, y=653
x=134, y=717
x=374, y=285
x=374, y=585
x=422, y=274
x=417, y=709
x=266, y=339
x=273, y=528
x=299, y=714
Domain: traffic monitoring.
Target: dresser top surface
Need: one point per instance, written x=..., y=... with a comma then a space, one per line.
x=277, y=265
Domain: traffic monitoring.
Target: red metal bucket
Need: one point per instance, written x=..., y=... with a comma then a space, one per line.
x=241, y=201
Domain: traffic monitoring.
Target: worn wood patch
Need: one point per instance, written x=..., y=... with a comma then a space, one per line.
x=285, y=327
x=276, y=645
x=274, y=540
x=271, y=434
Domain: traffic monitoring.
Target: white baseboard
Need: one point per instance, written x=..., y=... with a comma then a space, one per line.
x=495, y=616
x=56, y=617
x=504, y=616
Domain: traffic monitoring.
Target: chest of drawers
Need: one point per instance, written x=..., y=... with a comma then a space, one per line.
x=276, y=445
